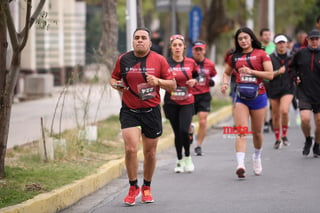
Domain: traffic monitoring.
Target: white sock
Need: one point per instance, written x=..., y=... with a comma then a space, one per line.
x=240, y=158
x=257, y=153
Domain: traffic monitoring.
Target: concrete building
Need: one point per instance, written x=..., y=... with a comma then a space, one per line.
x=56, y=43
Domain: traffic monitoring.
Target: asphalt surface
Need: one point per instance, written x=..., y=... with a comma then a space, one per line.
x=289, y=182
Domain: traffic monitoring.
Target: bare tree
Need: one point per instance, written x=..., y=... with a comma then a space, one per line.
x=8, y=77
x=263, y=14
x=215, y=21
x=108, y=48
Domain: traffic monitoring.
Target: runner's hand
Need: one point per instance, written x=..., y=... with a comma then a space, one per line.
x=152, y=80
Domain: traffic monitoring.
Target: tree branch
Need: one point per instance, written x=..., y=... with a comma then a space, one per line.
x=33, y=17
x=26, y=33
x=11, y=28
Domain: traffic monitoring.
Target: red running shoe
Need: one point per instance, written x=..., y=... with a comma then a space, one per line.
x=130, y=199
x=241, y=172
x=146, y=194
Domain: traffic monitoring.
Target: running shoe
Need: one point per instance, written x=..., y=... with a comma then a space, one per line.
x=179, y=166
x=198, y=151
x=298, y=120
x=257, y=167
x=130, y=199
x=316, y=150
x=285, y=141
x=189, y=167
x=266, y=127
x=307, y=146
x=277, y=145
x=241, y=171
x=191, y=133
x=146, y=194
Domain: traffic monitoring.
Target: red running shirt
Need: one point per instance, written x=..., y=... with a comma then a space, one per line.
x=206, y=71
x=182, y=72
x=133, y=69
x=257, y=57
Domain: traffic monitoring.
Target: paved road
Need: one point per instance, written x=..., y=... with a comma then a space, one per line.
x=289, y=182
x=25, y=123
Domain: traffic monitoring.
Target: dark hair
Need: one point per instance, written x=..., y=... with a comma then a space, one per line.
x=144, y=29
x=318, y=19
x=264, y=30
x=255, y=42
x=289, y=38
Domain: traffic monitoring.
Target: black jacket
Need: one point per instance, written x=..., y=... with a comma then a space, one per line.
x=306, y=64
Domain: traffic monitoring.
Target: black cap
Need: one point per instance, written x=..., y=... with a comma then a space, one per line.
x=289, y=38
x=200, y=44
x=314, y=34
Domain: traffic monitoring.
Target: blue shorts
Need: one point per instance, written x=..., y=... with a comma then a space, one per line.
x=259, y=102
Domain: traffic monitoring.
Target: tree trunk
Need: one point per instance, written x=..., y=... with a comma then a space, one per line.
x=108, y=47
x=215, y=22
x=8, y=78
x=4, y=124
x=140, y=21
x=263, y=14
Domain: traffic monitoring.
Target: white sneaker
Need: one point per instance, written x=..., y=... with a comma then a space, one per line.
x=241, y=171
x=189, y=167
x=298, y=120
x=179, y=166
x=257, y=167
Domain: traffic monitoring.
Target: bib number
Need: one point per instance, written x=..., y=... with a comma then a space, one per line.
x=202, y=79
x=146, y=91
x=245, y=78
x=180, y=93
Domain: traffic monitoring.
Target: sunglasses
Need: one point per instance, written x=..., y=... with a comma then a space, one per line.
x=176, y=37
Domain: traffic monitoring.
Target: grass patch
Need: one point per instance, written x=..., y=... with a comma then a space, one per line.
x=28, y=176
x=218, y=103
x=33, y=177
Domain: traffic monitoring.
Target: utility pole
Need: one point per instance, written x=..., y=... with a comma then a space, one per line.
x=271, y=15
x=131, y=21
x=173, y=16
x=249, y=6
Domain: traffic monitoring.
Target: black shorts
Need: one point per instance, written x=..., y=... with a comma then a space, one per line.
x=202, y=102
x=277, y=94
x=148, y=119
x=305, y=105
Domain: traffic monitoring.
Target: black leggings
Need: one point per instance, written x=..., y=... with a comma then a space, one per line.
x=180, y=117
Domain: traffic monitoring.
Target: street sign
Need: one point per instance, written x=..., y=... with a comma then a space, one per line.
x=195, y=19
x=166, y=5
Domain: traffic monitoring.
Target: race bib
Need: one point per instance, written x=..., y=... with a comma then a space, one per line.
x=180, y=93
x=202, y=79
x=146, y=91
x=246, y=78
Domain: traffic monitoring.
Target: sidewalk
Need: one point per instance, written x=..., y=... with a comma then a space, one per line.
x=25, y=120
x=65, y=196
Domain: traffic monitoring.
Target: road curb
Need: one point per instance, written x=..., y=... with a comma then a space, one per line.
x=66, y=196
